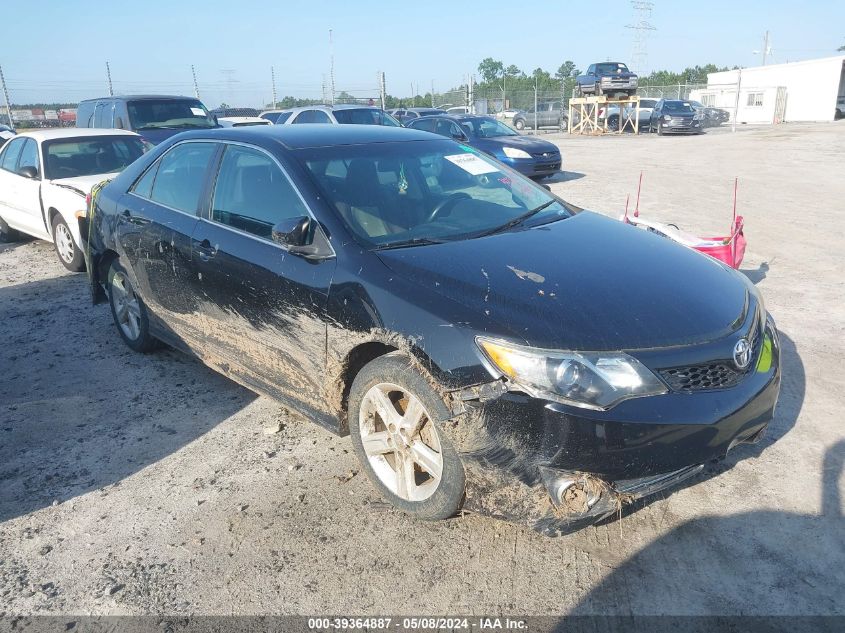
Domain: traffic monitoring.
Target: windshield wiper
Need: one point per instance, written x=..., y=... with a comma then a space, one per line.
x=515, y=221
x=414, y=241
x=156, y=127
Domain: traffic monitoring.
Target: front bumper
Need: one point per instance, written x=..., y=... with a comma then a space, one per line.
x=535, y=166
x=680, y=127
x=558, y=468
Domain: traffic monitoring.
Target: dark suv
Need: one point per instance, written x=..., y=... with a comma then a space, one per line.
x=607, y=78
x=154, y=117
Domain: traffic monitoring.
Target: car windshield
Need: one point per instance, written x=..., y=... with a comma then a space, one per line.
x=71, y=158
x=150, y=114
x=365, y=116
x=408, y=193
x=486, y=127
x=677, y=106
x=611, y=68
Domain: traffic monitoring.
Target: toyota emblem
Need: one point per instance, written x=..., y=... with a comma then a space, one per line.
x=742, y=353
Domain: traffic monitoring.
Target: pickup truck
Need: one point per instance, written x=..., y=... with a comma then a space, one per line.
x=607, y=78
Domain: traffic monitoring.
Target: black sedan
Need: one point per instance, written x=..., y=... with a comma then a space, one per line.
x=529, y=155
x=671, y=116
x=484, y=343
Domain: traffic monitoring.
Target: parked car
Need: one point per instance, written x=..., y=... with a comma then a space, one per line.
x=234, y=112
x=408, y=114
x=710, y=117
x=606, y=78
x=612, y=114
x=459, y=321
x=457, y=110
x=528, y=155
x=671, y=116
x=840, y=107
x=242, y=121
x=549, y=114
x=276, y=117
x=6, y=133
x=154, y=117
x=46, y=175
x=342, y=114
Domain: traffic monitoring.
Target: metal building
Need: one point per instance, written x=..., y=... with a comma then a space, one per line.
x=810, y=90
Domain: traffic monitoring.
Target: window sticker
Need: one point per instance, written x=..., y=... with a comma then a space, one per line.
x=472, y=164
x=197, y=112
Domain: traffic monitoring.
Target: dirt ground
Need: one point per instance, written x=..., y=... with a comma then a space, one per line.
x=147, y=484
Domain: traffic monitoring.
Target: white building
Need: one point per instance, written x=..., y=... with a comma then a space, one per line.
x=797, y=91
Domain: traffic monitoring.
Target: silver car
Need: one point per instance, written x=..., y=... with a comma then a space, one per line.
x=340, y=114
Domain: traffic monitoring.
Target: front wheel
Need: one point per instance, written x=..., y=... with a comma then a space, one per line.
x=129, y=312
x=8, y=234
x=394, y=418
x=66, y=247
x=519, y=124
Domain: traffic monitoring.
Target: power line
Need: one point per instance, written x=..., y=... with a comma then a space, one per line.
x=641, y=27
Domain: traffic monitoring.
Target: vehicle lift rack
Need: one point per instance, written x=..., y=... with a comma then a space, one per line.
x=587, y=110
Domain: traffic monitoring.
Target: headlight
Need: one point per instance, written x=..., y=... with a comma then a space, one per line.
x=666, y=117
x=512, y=152
x=592, y=380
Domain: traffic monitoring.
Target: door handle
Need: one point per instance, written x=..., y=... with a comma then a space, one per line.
x=205, y=250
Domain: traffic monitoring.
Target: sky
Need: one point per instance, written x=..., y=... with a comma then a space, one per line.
x=59, y=52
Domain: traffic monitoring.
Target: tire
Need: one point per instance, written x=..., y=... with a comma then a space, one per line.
x=391, y=381
x=519, y=124
x=613, y=123
x=132, y=323
x=68, y=251
x=659, y=129
x=8, y=234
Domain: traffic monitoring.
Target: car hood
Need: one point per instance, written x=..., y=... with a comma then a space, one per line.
x=525, y=143
x=82, y=184
x=585, y=283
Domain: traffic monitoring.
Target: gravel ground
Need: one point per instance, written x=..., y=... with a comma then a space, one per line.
x=149, y=484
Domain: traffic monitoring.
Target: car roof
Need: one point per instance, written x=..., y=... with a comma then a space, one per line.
x=243, y=119
x=74, y=132
x=140, y=97
x=332, y=108
x=312, y=135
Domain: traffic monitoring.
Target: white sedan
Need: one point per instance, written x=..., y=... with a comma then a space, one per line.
x=242, y=121
x=45, y=176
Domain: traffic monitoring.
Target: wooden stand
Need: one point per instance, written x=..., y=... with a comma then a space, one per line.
x=587, y=110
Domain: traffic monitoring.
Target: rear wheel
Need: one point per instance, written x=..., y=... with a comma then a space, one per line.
x=394, y=418
x=66, y=247
x=129, y=312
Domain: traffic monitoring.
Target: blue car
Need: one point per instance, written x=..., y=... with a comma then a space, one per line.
x=529, y=155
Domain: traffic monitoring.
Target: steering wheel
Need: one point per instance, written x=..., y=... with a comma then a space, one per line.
x=447, y=202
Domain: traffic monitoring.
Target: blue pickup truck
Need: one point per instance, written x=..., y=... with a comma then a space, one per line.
x=607, y=78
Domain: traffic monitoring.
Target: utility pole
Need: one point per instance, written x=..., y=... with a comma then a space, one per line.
x=325, y=97
x=331, y=63
x=382, y=88
x=765, y=47
x=273, y=85
x=196, y=87
x=108, y=76
x=537, y=114
x=6, y=96
x=736, y=103
x=432, y=93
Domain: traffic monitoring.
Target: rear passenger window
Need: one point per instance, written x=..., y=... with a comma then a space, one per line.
x=427, y=125
x=181, y=175
x=252, y=194
x=144, y=186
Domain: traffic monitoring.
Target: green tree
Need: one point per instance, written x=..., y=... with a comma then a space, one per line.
x=490, y=69
x=512, y=71
x=567, y=69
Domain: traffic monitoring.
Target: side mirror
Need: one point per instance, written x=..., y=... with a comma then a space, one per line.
x=28, y=172
x=296, y=234
x=459, y=136
x=546, y=187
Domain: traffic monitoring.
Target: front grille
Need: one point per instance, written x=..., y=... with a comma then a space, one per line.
x=547, y=156
x=701, y=377
x=719, y=374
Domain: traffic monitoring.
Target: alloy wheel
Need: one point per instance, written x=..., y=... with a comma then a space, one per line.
x=126, y=307
x=401, y=442
x=64, y=243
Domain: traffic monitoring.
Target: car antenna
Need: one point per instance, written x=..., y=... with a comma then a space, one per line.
x=639, y=187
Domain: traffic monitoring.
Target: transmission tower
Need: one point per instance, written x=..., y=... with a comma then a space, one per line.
x=642, y=26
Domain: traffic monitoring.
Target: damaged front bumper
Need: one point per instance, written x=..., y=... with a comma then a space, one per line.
x=557, y=468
